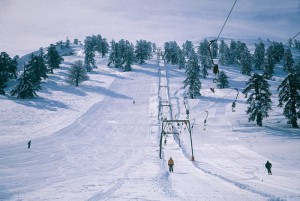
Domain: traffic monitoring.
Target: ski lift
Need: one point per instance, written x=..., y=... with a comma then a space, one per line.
x=234, y=103
x=215, y=66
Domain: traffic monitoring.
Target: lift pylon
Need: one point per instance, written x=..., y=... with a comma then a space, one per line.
x=164, y=124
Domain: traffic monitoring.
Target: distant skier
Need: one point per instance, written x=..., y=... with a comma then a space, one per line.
x=133, y=102
x=29, y=144
x=171, y=164
x=165, y=141
x=268, y=165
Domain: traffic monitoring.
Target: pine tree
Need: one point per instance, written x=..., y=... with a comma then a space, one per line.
x=205, y=65
x=67, y=45
x=269, y=63
x=77, y=73
x=105, y=47
x=188, y=48
x=214, y=49
x=154, y=47
x=223, y=80
x=116, y=54
x=259, y=99
x=143, y=51
x=222, y=46
x=171, y=53
x=53, y=59
x=181, y=59
x=203, y=48
x=225, y=56
x=8, y=69
x=26, y=87
x=192, y=77
x=259, y=55
x=128, y=57
x=245, y=62
x=289, y=97
x=89, y=50
x=233, y=52
x=36, y=69
x=288, y=61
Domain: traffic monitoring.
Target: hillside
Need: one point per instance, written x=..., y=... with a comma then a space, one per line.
x=93, y=143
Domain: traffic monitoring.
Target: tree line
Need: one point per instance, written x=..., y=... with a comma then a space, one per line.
x=198, y=60
x=122, y=54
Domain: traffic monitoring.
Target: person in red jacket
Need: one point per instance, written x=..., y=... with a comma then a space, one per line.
x=171, y=164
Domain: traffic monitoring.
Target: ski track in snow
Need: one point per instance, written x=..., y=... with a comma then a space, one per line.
x=111, y=151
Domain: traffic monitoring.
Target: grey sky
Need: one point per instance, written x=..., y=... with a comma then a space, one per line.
x=26, y=25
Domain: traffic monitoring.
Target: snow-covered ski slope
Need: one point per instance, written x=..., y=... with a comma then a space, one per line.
x=93, y=143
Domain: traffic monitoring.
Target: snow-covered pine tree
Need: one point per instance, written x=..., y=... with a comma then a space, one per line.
x=36, y=69
x=115, y=56
x=154, y=47
x=269, y=63
x=222, y=46
x=259, y=99
x=181, y=59
x=13, y=68
x=8, y=69
x=205, y=59
x=233, y=52
x=67, y=45
x=203, y=48
x=143, y=50
x=53, y=59
x=192, y=77
x=171, y=52
x=225, y=56
x=245, y=61
x=259, y=55
x=129, y=56
x=77, y=73
x=205, y=65
x=222, y=82
x=289, y=97
x=214, y=49
x=89, y=50
x=26, y=87
x=188, y=48
x=277, y=51
x=104, y=47
x=288, y=61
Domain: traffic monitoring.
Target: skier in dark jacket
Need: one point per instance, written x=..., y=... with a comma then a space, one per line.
x=268, y=165
x=29, y=144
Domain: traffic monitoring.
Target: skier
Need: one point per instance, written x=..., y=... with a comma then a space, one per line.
x=268, y=165
x=29, y=144
x=171, y=164
x=133, y=102
x=165, y=141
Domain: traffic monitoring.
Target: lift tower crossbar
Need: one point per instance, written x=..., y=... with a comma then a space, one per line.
x=165, y=122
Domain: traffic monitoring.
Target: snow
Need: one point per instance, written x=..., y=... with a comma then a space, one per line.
x=92, y=142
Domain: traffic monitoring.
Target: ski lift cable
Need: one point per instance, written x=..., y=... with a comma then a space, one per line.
x=226, y=20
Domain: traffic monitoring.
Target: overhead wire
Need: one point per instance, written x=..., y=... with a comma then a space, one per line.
x=226, y=19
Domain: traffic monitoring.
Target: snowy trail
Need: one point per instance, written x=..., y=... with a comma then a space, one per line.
x=112, y=151
x=220, y=154
x=103, y=162
x=186, y=173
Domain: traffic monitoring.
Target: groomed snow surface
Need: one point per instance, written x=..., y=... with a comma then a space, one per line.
x=92, y=143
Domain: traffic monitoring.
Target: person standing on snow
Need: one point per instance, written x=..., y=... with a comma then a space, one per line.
x=171, y=164
x=29, y=144
x=268, y=165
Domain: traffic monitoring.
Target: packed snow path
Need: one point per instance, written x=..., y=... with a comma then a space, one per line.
x=187, y=181
x=111, y=153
